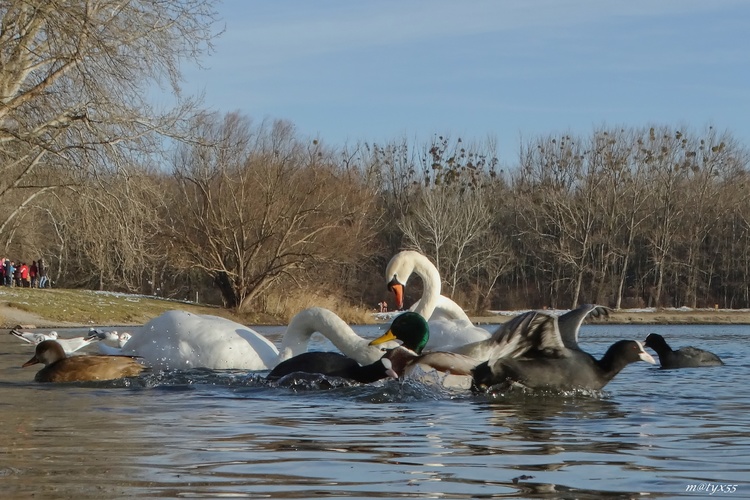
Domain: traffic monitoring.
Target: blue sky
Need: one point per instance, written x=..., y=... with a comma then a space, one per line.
x=377, y=71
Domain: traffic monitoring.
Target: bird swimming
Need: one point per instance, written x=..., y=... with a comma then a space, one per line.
x=32, y=337
x=112, y=341
x=58, y=367
x=551, y=360
x=181, y=340
x=69, y=345
x=333, y=364
x=413, y=331
x=684, y=357
x=514, y=338
x=448, y=322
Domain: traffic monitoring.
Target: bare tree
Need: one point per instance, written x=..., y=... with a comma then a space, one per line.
x=565, y=193
x=74, y=84
x=256, y=205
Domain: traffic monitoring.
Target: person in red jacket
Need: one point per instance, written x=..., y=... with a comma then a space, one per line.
x=24, y=275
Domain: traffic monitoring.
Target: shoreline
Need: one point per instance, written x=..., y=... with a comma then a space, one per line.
x=13, y=317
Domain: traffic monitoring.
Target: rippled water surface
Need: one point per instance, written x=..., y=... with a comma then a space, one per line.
x=212, y=435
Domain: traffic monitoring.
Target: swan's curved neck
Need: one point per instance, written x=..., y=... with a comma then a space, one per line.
x=430, y=276
x=316, y=319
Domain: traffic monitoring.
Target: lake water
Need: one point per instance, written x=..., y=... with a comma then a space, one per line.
x=680, y=433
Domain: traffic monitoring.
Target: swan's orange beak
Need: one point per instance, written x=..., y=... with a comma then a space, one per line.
x=398, y=293
x=387, y=336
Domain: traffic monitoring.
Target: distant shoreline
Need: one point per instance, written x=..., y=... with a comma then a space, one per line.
x=13, y=316
x=666, y=316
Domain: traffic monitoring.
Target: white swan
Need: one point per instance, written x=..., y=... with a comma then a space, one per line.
x=182, y=340
x=179, y=340
x=317, y=319
x=448, y=322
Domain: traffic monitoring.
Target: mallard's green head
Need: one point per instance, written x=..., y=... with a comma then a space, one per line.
x=410, y=328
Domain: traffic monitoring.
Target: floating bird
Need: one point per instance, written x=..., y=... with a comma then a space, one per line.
x=70, y=345
x=58, y=367
x=317, y=319
x=333, y=364
x=112, y=341
x=551, y=360
x=180, y=340
x=413, y=332
x=684, y=357
x=33, y=338
x=514, y=338
x=448, y=322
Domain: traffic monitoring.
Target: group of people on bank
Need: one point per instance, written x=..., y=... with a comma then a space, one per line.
x=24, y=275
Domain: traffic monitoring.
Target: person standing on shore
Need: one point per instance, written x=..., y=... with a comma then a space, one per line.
x=24, y=275
x=33, y=270
x=8, y=272
x=42, y=269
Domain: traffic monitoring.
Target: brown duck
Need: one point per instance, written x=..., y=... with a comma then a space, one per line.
x=58, y=367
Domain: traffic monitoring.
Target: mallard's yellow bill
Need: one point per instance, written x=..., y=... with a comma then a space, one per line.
x=384, y=338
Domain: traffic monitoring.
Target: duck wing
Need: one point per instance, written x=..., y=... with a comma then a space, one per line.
x=531, y=334
x=450, y=362
x=570, y=323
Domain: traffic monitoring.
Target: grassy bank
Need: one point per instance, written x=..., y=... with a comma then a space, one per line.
x=84, y=307
x=60, y=307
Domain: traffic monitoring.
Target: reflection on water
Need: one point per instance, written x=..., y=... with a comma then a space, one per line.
x=208, y=434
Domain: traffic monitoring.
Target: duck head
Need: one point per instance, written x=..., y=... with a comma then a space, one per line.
x=46, y=352
x=410, y=328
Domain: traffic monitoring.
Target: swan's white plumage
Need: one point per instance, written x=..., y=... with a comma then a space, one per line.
x=317, y=319
x=179, y=340
x=449, y=324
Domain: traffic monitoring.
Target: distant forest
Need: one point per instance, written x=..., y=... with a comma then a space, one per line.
x=254, y=215
x=116, y=193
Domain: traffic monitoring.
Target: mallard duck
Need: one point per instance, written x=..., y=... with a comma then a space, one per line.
x=544, y=357
x=58, y=367
x=449, y=324
x=413, y=332
x=684, y=357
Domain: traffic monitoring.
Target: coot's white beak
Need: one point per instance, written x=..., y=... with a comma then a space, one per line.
x=644, y=356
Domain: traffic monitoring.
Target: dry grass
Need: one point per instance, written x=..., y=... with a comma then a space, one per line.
x=85, y=307
x=62, y=307
x=286, y=306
